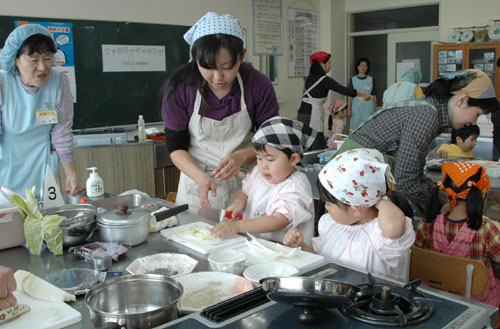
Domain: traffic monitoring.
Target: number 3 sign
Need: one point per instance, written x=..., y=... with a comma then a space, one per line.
x=51, y=195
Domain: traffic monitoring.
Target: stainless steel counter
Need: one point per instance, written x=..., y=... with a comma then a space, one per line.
x=20, y=258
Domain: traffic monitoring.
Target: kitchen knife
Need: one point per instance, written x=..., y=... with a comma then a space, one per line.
x=217, y=215
x=170, y=212
x=13, y=312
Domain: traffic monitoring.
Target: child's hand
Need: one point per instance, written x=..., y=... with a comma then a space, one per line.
x=442, y=154
x=293, y=238
x=225, y=229
x=235, y=209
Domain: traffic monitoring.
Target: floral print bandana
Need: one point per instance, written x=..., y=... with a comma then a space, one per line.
x=357, y=177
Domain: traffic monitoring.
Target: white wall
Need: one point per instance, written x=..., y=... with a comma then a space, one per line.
x=454, y=13
x=182, y=12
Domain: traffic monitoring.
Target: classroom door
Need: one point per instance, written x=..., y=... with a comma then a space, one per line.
x=410, y=49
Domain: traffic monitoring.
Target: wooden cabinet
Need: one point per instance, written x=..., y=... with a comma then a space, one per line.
x=449, y=58
x=122, y=167
x=127, y=166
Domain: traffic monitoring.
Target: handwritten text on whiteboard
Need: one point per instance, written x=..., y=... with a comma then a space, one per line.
x=132, y=58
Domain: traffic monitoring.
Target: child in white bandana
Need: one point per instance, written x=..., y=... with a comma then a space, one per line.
x=363, y=228
x=275, y=196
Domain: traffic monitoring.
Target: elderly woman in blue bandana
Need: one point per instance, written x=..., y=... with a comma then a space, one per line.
x=37, y=112
x=211, y=107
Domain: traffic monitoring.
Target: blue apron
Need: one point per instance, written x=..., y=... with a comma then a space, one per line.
x=24, y=144
x=360, y=109
x=398, y=92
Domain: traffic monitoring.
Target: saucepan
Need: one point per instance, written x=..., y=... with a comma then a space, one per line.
x=134, y=301
x=309, y=294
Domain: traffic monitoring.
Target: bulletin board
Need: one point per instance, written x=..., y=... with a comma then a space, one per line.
x=108, y=99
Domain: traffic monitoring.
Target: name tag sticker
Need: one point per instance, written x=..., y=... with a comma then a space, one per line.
x=46, y=117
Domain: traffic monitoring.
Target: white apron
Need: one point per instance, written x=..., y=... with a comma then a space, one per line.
x=317, y=110
x=210, y=141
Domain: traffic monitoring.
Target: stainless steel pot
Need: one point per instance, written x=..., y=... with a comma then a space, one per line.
x=135, y=301
x=130, y=226
x=79, y=223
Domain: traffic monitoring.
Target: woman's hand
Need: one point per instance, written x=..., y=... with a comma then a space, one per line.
x=206, y=184
x=225, y=229
x=71, y=178
x=293, y=238
x=366, y=97
x=72, y=186
x=228, y=166
x=7, y=286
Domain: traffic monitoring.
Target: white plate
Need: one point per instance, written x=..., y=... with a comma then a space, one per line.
x=169, y=264
x=454, y=37
x=494, y=32
x=260, y=271
x=467, y=36
x=203, y=289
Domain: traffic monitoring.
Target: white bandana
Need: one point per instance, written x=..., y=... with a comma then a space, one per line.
x=357, y=177
x=212, y=23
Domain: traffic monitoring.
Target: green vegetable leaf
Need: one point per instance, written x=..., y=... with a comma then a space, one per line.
x=21, y=205
x=38, y=228
x=33, y=234
x=52, y=233
x=32, y=203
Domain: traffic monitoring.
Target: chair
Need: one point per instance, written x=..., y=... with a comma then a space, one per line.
x=450, y=273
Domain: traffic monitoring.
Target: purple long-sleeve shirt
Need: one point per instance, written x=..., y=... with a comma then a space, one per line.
x=61, y=135
x=260, y=99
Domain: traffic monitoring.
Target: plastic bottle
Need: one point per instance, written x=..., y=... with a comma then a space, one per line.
x=95, y=185
x=141, y=130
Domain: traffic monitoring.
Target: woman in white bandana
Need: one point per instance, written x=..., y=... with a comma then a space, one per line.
x=367, y=225
x=211, y=107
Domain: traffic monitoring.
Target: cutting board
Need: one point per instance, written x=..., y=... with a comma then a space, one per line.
x=303, y=260
x=43, y=314
x=204, y=247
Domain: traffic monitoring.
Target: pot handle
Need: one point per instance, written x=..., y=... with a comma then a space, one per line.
x=123, y=210
x=109, y=325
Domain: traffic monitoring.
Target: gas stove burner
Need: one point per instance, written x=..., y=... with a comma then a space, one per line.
x=389, y=305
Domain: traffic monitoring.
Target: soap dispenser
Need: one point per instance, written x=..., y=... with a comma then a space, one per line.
x=95, y=185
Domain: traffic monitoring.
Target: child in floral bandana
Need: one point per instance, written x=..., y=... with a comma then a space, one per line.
x=463, y=231
x=367, y=225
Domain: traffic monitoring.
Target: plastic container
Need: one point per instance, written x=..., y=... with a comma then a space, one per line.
x=227, y=260
x=95, y=185
x=11, y=231
x=141, y=129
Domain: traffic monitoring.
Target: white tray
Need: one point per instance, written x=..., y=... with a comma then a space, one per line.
x=303, y=260
x=204, y=247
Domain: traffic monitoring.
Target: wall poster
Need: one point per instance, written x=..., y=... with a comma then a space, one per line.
x=267, y=27
x=302, y=40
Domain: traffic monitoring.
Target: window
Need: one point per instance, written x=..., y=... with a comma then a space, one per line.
x=399, y=18
x=269, y=66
